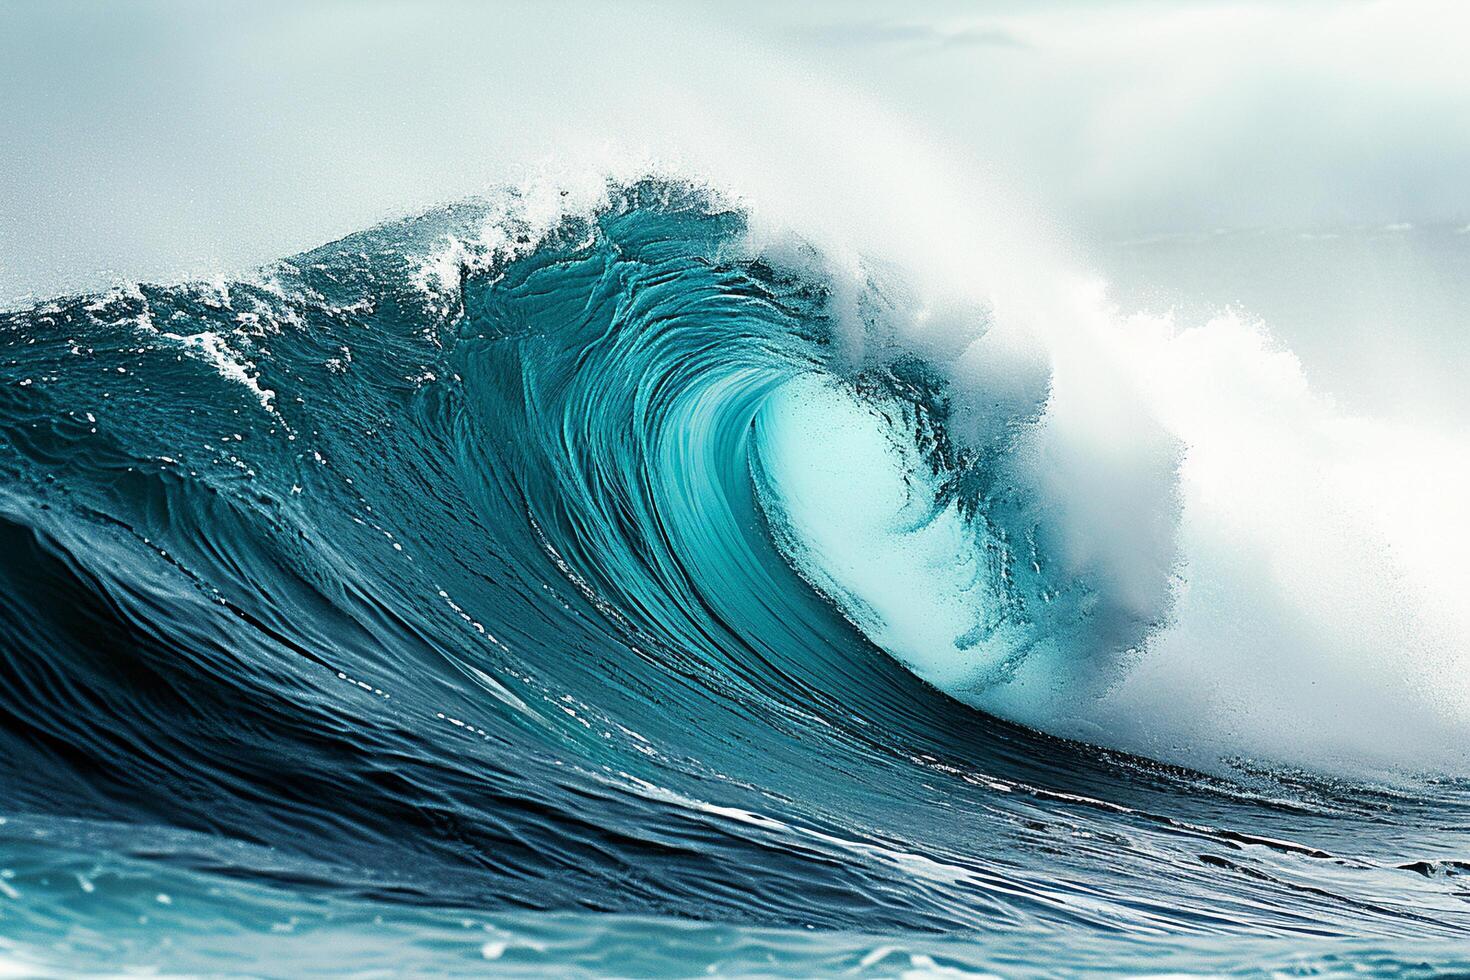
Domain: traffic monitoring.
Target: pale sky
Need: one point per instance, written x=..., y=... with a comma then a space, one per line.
x=163, y=139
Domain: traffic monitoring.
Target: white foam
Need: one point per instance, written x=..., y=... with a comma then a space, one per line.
x=216, y=351
x=1305, y=567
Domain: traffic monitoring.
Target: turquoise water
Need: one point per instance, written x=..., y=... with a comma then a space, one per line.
x=472, y=594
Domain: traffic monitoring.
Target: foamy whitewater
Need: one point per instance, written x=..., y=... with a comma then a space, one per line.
x=767, y=546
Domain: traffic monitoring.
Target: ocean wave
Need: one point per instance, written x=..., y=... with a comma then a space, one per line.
x=610, y=553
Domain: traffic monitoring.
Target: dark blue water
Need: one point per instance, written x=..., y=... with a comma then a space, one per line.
x=351, y=625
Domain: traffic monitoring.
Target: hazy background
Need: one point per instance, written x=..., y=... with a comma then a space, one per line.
x=1305, y=162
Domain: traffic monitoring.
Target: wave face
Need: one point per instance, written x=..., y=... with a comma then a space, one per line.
x=541, y=598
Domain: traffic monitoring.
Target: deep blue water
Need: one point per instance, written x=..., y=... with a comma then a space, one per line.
x=356, y=626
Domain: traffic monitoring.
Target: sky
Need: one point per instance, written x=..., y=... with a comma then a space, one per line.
x=173, y=136
x=163, y=140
